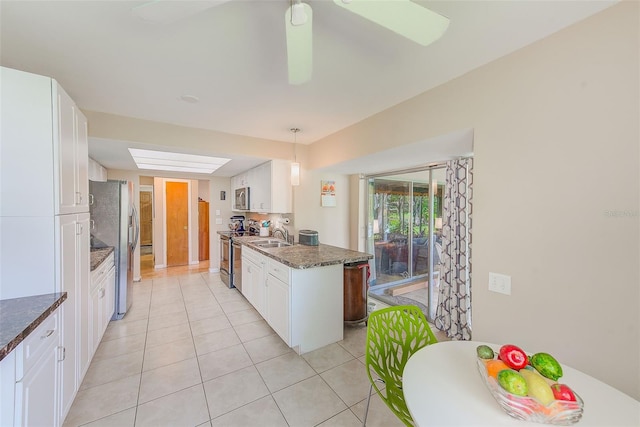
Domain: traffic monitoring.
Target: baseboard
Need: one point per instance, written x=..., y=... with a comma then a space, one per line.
x=214, y=270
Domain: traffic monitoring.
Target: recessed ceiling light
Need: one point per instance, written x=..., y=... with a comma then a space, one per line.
x=190, y=99
x=176, y=162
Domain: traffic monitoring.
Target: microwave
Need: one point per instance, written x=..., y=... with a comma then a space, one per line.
x=241, y=201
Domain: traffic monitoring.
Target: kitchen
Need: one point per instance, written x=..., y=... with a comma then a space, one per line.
x=488, y=98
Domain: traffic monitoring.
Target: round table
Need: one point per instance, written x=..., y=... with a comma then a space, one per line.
x=442, y=387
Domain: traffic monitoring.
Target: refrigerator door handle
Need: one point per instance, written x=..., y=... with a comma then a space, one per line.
x=137, y=228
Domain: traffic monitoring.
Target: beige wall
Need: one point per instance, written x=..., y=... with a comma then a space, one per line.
x=556, y=136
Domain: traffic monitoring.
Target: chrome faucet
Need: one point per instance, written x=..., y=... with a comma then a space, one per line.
x=283, y=232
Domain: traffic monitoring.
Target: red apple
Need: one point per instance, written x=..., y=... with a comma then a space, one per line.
x=563, y=392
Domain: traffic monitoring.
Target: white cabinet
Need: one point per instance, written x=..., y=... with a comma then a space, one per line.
x=36, y=375
x=253, y=279
x=270, y=187
x=44, y=140
x=303, y=306
x=8, y=388
x=97, y=172
x=101, y=301
x=44, y=211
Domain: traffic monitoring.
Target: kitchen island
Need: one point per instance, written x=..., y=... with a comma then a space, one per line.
x=298, y=289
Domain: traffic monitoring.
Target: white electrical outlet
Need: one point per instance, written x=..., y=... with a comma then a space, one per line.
x=500, y=283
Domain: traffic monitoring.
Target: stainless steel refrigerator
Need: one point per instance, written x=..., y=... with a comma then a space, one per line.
x=114, y=222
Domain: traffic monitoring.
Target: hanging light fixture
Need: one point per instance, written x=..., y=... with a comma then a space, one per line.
x=295, y=166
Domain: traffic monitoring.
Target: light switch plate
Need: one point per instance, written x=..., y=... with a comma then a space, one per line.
x=500, y=283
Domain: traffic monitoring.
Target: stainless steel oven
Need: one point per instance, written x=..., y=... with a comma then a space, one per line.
x=225, y=260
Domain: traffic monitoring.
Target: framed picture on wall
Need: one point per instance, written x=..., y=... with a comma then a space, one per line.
x=328, y=193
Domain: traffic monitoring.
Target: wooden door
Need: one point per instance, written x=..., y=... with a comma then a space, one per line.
x=177, y=198
x=203, y=230
x=146, y=219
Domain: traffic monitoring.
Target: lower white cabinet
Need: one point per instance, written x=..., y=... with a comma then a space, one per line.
x=303, y=306
x=37, y=370
x=101, y=301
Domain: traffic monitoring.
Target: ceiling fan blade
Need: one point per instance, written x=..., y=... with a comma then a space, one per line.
x=299, y=46
x=403, y=17
x=166, y=12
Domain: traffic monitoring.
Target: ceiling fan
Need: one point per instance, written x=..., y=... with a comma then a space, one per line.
x=403, y=17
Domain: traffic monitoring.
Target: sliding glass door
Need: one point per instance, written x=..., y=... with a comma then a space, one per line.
x=405, y=223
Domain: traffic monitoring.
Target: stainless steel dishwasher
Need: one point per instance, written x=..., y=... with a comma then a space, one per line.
x=237, y=265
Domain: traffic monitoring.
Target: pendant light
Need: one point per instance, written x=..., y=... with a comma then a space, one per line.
x=295, y=166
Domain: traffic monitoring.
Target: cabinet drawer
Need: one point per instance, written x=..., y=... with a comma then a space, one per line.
x=37, y=343
x=279, y=271
x=101, y=271
x=251, y=255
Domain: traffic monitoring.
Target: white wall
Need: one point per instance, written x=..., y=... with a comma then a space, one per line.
x=556, y=131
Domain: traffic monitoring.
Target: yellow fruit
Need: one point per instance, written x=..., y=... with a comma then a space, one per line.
x=537, y=387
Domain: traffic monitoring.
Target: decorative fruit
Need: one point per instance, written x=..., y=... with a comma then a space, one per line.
x=563, y=392
x=546, y=365
x=484, y=352
x=513, y=382
x=494, y=366
x=537, y=387
x=513, y=356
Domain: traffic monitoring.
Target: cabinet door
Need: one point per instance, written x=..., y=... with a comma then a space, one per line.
x=278, y=308
x=95, y=315
x=37, y=392
x=83, y=345
x=81, y=161
x=109, y=299
x=66, y=153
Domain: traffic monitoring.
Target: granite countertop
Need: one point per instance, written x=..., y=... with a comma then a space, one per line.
x=302, y=256
x=20, y=316
x=98, y=255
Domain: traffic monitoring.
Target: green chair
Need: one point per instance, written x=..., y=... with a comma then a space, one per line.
x=393, y=335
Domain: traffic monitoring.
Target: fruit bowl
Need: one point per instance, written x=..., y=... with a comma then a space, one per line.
x=558, y=412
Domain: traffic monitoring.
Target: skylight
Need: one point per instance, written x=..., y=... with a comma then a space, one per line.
x=176, y=162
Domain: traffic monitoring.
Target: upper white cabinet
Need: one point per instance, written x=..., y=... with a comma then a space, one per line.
x=44, y=140
x=270, y=186
x=97, y=172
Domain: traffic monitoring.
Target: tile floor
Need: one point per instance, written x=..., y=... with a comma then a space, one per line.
x=192, y=352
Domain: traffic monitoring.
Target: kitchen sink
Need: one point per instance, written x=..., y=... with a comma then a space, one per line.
x=271, y=243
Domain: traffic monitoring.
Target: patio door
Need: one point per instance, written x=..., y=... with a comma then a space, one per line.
x=405, y=226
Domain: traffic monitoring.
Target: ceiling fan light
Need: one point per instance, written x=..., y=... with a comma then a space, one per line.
x=298, y=14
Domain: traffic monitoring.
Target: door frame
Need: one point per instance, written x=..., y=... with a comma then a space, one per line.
x=164, y=219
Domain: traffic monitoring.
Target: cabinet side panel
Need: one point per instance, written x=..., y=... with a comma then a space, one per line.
x=26, y=144
x=26, y=256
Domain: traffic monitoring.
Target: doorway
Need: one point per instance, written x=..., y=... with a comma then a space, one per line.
x=405, y=230
x=177, y=223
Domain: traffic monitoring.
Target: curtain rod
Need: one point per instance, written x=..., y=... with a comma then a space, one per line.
x=411, y=170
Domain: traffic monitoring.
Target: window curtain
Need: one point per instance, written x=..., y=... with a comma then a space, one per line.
x=453, y=312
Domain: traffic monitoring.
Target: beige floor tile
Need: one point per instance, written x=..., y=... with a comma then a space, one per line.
x=234, y=306
x=118, y=329
x=120, y=346
x=167, y=320
x=231, y=391
x=169, y=353
x=196, y=299
x=261, y=413
x=379, y=414
x=166, y=309
x=215, y=341
x=212, y=324
x=168, y=334
x=103, y=400
x=349, y=381
x=266, y=348
x=222, y=362
x=309, y=402
x=343, y=419
x=136, y=312
x=224, y=294
x=111, y=369
x=186, y=407
x=253, y=330
x=169, y=379
x=204, y=313
x=285, y=370
x=327, y=357
x=355, y=340
x=242, y=317
x=121, y=419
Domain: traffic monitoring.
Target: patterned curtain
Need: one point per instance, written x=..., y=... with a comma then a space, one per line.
x=453, y=313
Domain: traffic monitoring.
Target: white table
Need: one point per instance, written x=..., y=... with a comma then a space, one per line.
x=442, y=387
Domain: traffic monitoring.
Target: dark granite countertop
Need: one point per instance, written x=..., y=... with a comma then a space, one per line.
x=98, y=255
x=20, y=316
x=302, y=256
